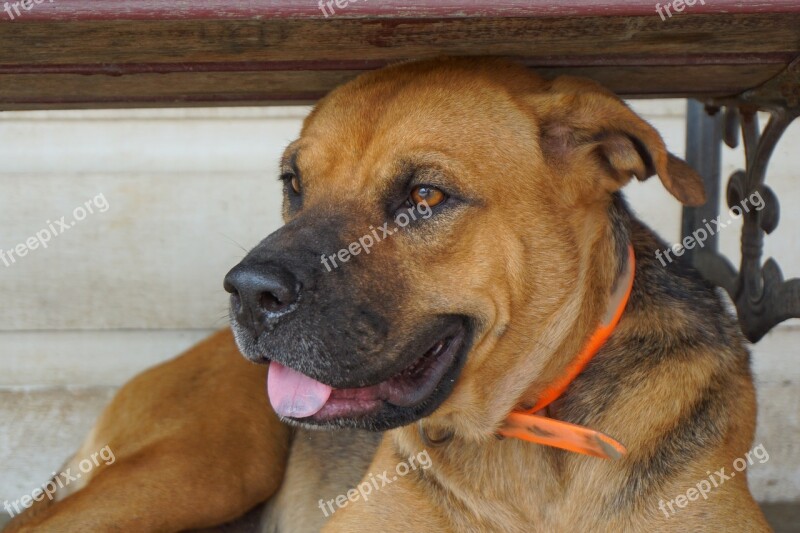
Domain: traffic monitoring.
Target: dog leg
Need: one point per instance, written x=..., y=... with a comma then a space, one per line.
x=190, y=443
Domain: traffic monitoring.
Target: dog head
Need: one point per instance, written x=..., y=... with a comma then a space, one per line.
x=447, y=245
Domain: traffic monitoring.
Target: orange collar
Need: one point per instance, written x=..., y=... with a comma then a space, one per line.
x=531, y=425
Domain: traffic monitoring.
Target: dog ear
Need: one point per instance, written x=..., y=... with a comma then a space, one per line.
x=580, y=116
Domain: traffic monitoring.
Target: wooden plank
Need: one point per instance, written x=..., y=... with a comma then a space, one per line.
x=144, y=62
x=156, y=258
x=87, y=358
x=218, y=9
x=671, y=81
x=342, y=43
x=20, y=91
x=26, y=91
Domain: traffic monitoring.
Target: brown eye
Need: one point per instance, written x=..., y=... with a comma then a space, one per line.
x=429, y=195
x=295, y=184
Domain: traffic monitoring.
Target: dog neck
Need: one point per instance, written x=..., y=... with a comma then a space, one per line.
x=533, y=425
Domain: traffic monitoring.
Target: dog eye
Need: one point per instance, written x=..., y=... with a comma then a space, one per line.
x=292, y=182
x=427, y=194
x=295, y=183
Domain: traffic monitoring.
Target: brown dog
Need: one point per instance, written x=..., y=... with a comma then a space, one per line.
x=434, y=330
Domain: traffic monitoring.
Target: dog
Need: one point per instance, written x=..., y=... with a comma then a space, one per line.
x=517, y=360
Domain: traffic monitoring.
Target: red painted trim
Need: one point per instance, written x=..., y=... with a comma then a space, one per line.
x=71, y=10
x=318, y=65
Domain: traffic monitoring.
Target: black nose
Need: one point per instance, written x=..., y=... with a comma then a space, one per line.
x=261, y=293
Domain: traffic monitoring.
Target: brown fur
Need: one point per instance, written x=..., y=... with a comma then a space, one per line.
x=531, y=256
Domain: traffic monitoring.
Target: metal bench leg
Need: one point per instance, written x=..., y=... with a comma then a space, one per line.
x=763, y=299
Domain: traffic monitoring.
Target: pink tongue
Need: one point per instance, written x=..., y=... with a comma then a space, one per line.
x=293, y=394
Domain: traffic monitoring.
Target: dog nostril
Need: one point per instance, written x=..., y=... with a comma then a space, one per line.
x=261, y=292
x=270, y=302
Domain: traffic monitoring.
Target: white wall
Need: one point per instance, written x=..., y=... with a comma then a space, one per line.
x=187, y=192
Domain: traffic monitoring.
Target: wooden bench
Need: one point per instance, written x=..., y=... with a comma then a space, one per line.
x=733, y=57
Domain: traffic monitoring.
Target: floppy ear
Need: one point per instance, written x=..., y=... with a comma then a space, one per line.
x=579, y=116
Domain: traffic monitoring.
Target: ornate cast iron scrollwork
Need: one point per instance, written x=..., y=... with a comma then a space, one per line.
x=763, y=299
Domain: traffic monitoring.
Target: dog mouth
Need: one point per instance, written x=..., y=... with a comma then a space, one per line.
x=404, y=396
